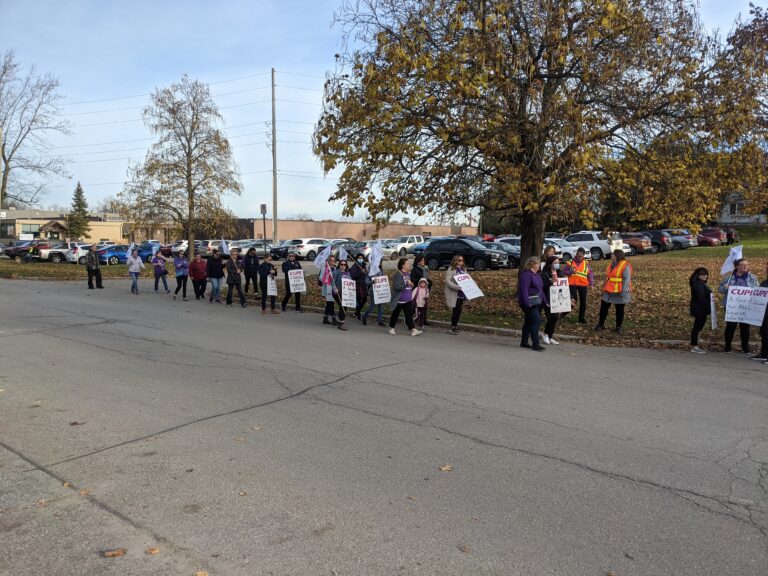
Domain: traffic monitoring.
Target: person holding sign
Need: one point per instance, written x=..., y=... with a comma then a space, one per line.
x=740, y=276
x=402, y=298
x=550, y=275
x=370, y=281
x=579, y=279
x=617, y=290
x=291, y=264
x=267, y=271
x=530, y=296
x=359, y=273
x=341, y=278
x=454, y=295
x=701, y=296
x=251, y=271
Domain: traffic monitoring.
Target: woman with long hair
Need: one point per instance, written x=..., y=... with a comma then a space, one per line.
x=701, y=298
x=740, y=276
x=402, y=298
x=617, y=290
x=531, y=297
x=454, y=296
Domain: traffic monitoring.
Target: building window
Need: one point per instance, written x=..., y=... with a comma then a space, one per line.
x=26, y=228
x=7, y=230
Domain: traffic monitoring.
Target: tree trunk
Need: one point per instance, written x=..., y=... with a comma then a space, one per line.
x=532, y=235
x=4, y=186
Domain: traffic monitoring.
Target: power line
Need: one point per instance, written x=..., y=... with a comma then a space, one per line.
x=298, y=88
x=300, y=74
x=298, y=102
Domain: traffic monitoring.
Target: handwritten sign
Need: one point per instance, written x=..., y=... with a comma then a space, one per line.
x=271, y=286
x=381, y=292
x=746, y=305
x=468, y=286
x=348, y=293
x=296, y=281
x=559, y=296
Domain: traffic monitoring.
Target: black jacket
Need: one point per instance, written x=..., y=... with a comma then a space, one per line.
x=215, y=268
x=288, y=265
x=250, y=265
x=700, y=298
x=265, y=269
x=417, y=273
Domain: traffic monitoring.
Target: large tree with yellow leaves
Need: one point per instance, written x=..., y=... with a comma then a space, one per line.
x=444, y=105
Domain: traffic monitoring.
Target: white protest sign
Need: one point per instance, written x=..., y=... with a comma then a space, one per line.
x=296, y=281
x=381, y=292
x=746, y=305
x=271, y=286
x=713, y=311
x=348, y=293
x=468, y=286
x=559, y=296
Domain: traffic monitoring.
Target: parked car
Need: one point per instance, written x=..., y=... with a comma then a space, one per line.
x=440, y=253
x=638, y=243
x=113, y=254
x=681, y=239
x=307, y=248
x=661, y=240
x=280, y=252
x=566, y=249
x=59, y=252
x=419, y=248
x=597, y=244
x=77, y=254
x=353, y=248
x=552, y=235
x=732, y=235
x=707, y=240
x=513, y=252
x=405, y=244
x=2, y=248
x=718, y=233
x=18, y=248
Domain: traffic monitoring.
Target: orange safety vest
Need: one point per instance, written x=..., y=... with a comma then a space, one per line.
x=579, y=274
x=613, y=281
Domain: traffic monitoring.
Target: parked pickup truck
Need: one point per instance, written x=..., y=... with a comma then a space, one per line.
x=57, y=253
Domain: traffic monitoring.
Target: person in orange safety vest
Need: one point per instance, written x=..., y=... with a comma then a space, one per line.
x=617, y=290
x=579, y=279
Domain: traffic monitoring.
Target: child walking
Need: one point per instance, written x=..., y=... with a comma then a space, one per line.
x=420, y=298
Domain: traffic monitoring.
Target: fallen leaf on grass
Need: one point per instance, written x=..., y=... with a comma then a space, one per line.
x=411, y=497
x=243, y=493
x=116, y=553
x=42, y=503
x=464, y=548
x=76, y=423
x=152, y=550
x=84, y=492
x=65, y=484
x=446, y=468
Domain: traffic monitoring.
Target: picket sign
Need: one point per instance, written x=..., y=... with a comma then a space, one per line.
x=271, y=286
x=746, y=305
x=559, y=296
x=713, y=311
x=468, y=286
x=381, y=291
x=296, y=281
x=348, y=293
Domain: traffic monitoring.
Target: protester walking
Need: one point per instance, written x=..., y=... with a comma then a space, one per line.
x=266, y=271
x=579, y=279
x=549, y=275
x=328, y=290
x=531, y=297
x=135, y=266
x=234, y=279
x=617, y=290
x=740, y=276
x=339, y=274
x=197, y=272
x=701, y=305
x=359, y=272
x=251, y=271
x=291, y=263
x=93, y=267
x=158, y=265
x=418, y=271
x=420, y=299
x=181, y=268
x=402, y=298
x=454, y=295
x=371, y=300
x=215, y=272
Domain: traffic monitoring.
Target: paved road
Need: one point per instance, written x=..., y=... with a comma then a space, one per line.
x=242, y=444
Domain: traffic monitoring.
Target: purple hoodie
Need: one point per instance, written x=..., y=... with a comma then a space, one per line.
x=530, y=285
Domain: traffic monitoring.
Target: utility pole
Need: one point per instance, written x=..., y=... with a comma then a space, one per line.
x=274, y=165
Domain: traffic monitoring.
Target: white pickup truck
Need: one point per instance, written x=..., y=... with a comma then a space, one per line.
x=58, y=252
x=596, y=243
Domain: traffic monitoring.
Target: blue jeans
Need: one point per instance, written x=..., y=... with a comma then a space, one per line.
x=379, y=313
x=135, y=282
x=215, y=288
x=531, y=326
x=157, y=281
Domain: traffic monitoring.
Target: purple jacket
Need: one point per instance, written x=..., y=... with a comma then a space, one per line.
x=531, y=285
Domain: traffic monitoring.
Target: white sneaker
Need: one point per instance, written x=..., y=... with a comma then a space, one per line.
x=553, y=341
x=545, y=339
x=698, y=350
x=416, y=332
x=392, y=331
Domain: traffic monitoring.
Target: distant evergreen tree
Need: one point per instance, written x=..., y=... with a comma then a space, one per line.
x=77, y=220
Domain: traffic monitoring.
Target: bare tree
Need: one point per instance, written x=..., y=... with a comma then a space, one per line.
x=190, y=167
x=29, y=112
x=109, y=205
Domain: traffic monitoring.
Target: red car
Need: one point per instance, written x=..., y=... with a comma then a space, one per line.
x=717, y=233
x=707, y=240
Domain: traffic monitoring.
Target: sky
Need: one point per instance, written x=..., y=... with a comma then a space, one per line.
x=109, y=56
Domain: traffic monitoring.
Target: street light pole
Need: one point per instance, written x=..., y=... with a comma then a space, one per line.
x=264, y=226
